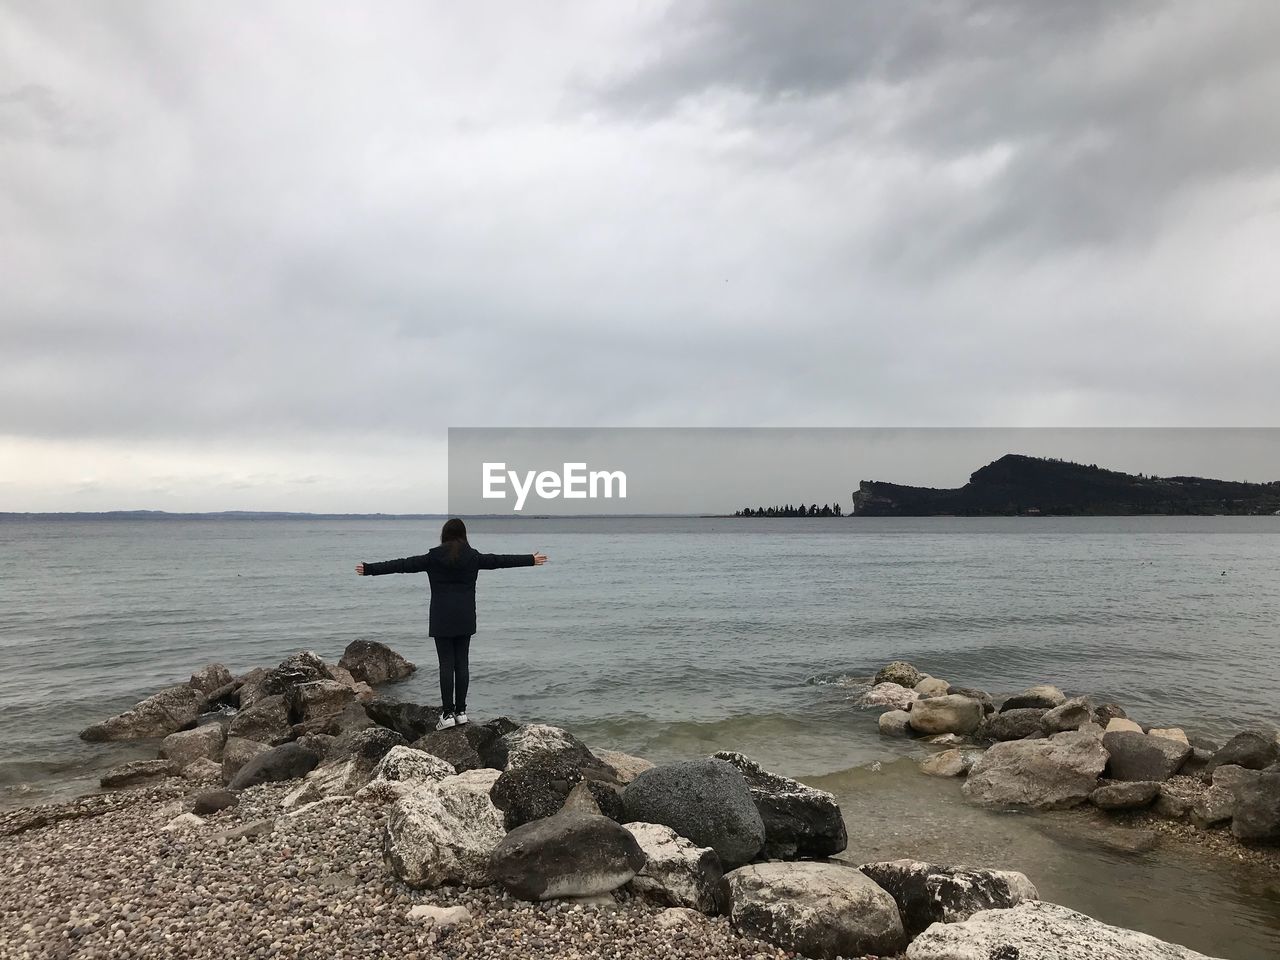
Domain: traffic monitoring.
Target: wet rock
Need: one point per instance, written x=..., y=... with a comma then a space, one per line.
x=901, y=673
x=931, y=687
x=536, y=790
x=266, y=721
x=926, y=893
x=187, y=746
x=445, y=832
x=172, y=709
x=1256, y=817
x=375, y=663
x=1044, y=697
x=213, y=677
x=1171, y=805
x=984, y=698
x=1140, y=756
x=799, y=821
x=211, y=801
x=527, y=742
x=569, y=855
x=410, y=720
x=1053, y=773
x=705, y=801
x=318, y=698
x=289, y=761
x=1012, y=724
x=1069, y=715
x=1035, y=930
x=822, y=910
x=135, y=771
x=891, y=695
x=948, y=763
x=676, y=872
x=895, y=723
x=1253, y=750
x=946, y=714
x=624, y=765
x=1125, y=796
x=303, y=667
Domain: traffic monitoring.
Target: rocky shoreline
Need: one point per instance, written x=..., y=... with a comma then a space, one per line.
x=294, y=812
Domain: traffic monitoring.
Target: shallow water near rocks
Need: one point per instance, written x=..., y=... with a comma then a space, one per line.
x=676, y=638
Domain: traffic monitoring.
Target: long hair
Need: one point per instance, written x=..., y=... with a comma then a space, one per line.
x=454, y=533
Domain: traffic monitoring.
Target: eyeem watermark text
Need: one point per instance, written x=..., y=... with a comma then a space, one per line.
x=575, y=482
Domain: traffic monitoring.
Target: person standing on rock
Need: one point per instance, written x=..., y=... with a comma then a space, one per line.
x=452, y=568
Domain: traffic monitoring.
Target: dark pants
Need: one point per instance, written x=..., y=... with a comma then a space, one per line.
x=455, y=674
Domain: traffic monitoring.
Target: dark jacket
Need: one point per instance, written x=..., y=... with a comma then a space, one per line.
x=453, y=583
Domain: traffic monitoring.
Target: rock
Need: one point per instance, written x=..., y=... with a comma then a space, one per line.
x=1069, y=715
x=172, y=709
x=1256, y=817
x=1122, y=725
x=895, y=723
x=289, y=761
x=1169, y=733
x=1125, y=796
x=948, y=763
x=213, y=677
x=202, y=771
x=438, y=916
x=569, y=855
x=676, y=873
x=302, y=667
x=1197, y=764
x=349, y=766
x=823, y=910
x=536, y=789
x=1035, y=930
x=521, y=745
x=1253, y=750
x=137, y=770
x=1170, y=805
x=1012, y=724
x=984, y=698
x=444, y=832
x=211, y=801
x=675, y=917
x=374, y=663
x=946, y=740
x=266, y=721
x=236, y=752
x=1216, y=805
x=318, y=698
x=182, y=822
x=1105, y=713
x=1054, y=773
x=946, y=714
x=351, y=718
x=705, y=801
x=799, y=821
x=931, y=687
x=1140, y=756
x=459, y=746
x=901, y=673
x=624, y=765
x=890, y=695
x=409, y=766
x=1203, y=743
x=927, y=894
x=187, y=746
x=1045, y=697
x=410, y=720
x=252, y=828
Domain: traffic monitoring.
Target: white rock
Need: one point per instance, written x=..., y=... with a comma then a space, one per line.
x=891, y=695
x=444, y=832
x=895, y=723
x=1047, y=774
x=674, y=917
x=439, y=916
x=401, y=771
x=948, y=763
x=1122, y=724
x=678, y=873
x=1040, y=931
x=1169, y=733
x=184, y=821
x=932, y=687
x=526, y=742
x=950, y=713
x=626, y=766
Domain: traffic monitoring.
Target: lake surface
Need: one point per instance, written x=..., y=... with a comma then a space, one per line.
x=676, y=637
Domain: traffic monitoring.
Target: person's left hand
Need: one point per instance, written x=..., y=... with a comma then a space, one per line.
x=359, y=569
x=539, y=559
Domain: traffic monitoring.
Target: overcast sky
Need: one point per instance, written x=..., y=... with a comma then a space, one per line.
x=262, y=255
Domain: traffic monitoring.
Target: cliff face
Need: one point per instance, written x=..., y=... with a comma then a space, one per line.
x=1016, y=484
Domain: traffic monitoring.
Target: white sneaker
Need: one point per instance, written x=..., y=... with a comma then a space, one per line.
x=460, y=718
x=446, y=721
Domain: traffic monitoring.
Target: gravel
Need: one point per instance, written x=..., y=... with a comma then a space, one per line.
x=100, y=878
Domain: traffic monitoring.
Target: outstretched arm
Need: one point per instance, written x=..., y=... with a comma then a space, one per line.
x=498, y=561
x=403, y=565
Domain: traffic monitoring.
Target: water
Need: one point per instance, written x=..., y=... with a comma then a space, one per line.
x=673, y=638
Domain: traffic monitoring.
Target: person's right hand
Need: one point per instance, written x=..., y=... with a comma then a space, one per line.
x=539, y=559
x=359, y=569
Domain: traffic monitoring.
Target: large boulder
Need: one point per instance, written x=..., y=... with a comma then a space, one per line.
x=676, y=872
x=1069, y=715
x=249, y=687
x=236, y=752
x=374, y=663
x=705, y=801
x=410, y=720
x=901, y=673
x=349, y=764
x=1125, y=795
x=444, y=832
x=1140, y=756
x=1256, y=817
x=946, y=714
x=1044, y=696
x=187, y=746
x=1012, y=724
x=351, y=718
x=1253, y=750
x=539, y=786
x=266, y=720
x=799, y=821
x=973, y=693
x=527, y=742
x=1048, y=774
x=1036, y=930
x=318, y=698
x=889, y=695
x=289, y=761
x=213, y=677
x=1218, y=803
x=822, y=910
x=302, y=667
x=401, y=770
x=172, y=709
x=569, y=855
x=926, y=893
x=459, y=746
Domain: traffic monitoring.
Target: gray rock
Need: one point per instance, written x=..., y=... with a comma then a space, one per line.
x=984, y=698
x=1256, y=817
x=676, y=873
x=1053, y=773
x=254, y=828
x=351, y=718
x=1069, y=715
x=1197, y=764
x=1106, y=712
x=536, y=790
x=203, y=770
x=374, y=663
x=1171, y=805
x=927, y=893
x=1216, y=805
x=249, y=688
x=569, y=855
x=172, y=709
x=136, y=771
x=625, y=766
x=347, y=767
x=1253, y=750
x=187, y=746
x=931, y=687
x=208, y=679
x=266, y=721
x=318, y=698
x=211, y=801
x=1140, y=756
x=822, y=910
x=895, y=723
x=705, y=801
x=289, y=761
x=236, y=752
x=410, y=720
x=901, y=673
x=946, y=714
x=528, y=742
x=891, y=695
x=443, y=833
x=1035, y=930
x=1044, y=696
x=459, y=746
x=948, y=763
x=1012, y=724
x=799, y=821
x=1125, y=796
x=302, y=667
